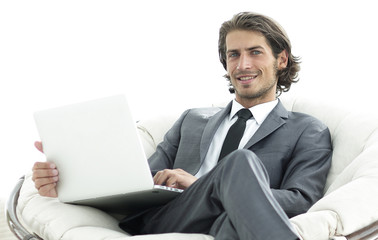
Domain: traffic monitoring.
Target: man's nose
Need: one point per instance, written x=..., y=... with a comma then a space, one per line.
x=245, y=62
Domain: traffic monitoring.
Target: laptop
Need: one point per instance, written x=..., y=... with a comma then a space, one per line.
x=97, y=150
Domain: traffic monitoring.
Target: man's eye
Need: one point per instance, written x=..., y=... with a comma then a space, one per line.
x=232, y=55
x=256, y=52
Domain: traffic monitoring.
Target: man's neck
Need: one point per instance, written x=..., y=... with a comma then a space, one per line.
x=248, y=103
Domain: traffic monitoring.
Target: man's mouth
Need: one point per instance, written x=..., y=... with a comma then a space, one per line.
x=247, y=78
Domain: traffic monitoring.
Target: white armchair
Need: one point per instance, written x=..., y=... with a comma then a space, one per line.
x=349, y=209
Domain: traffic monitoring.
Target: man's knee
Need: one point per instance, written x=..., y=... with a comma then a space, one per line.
x=245, y=159
x=240, y=157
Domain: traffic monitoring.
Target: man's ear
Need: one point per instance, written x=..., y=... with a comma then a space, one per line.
x=282, y=59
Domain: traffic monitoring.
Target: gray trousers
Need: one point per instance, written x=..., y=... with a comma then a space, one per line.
x=233, y=201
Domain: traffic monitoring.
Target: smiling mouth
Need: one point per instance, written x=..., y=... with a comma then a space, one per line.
x=247, y=78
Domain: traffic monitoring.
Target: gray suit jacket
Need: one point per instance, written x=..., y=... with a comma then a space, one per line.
x=295, y=149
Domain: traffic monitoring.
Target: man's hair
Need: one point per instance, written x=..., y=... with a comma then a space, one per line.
x=276, y=38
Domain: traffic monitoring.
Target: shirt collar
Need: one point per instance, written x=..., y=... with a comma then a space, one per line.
x=260, y=112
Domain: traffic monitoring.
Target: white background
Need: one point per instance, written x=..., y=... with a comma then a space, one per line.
x=162, y=54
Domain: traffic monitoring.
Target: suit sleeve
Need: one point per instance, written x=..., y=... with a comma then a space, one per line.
x=306, y=173
x=166, y=151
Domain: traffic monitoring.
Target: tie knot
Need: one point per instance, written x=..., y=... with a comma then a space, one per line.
x=244, y=114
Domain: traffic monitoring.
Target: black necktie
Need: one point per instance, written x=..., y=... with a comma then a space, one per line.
x=235, y=133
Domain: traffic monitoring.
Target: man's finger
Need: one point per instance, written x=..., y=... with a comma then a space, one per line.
x=40, y=182
x=161, y=177
x=43, y=173
x=171, y=182
x=48, y=190
x=43, y=165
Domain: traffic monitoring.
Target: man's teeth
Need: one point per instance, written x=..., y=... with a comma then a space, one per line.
x=247, y=78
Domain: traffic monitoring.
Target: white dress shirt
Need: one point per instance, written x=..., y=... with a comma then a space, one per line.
x=260, y=112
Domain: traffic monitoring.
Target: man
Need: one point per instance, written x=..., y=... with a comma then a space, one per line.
x=281, y=164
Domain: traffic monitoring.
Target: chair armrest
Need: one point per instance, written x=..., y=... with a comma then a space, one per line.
x=11, y=213
x=51, y=219
x=367, y=233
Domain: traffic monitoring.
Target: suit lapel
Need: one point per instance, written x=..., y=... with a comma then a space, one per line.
x=211, y=128
x=276, y=118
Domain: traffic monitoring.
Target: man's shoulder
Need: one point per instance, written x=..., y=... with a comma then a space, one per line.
x=204, y=112
x=298, y=118
x=306, y=120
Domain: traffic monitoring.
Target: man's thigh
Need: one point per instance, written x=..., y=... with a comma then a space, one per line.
x=237, y=187
x=196, y=209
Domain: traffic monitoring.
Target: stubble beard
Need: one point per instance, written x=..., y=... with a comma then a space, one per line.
x=261, y=92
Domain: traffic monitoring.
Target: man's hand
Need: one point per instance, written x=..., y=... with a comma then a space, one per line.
x=176, y=178
x=45, y=176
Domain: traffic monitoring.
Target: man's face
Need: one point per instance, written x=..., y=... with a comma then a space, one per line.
x=252, y=67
